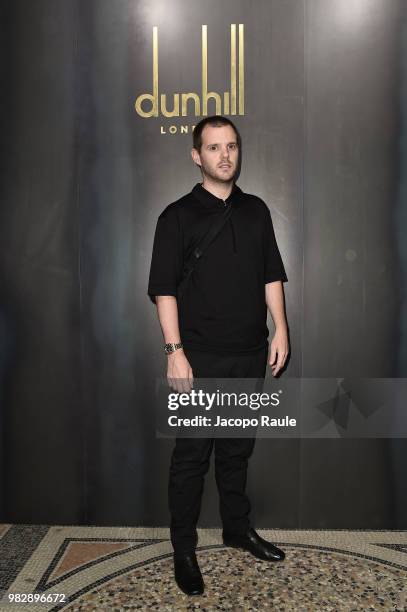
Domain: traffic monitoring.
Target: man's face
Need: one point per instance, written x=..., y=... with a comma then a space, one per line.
x=219, y=153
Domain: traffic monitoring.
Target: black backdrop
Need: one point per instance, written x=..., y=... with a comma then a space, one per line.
x=84, y=178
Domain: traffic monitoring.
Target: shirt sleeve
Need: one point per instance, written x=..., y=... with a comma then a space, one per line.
x=166, y=260
x=273, y=264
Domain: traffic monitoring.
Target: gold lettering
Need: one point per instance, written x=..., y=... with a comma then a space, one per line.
x=205, y=94
x=230, y=99
x=193, y=96
x=214, y=96
x=153, y=98
x=165, y=112
x=241, y=69
x=177, y=129
x=233, y=68
x=204, y=69
x=226, y=102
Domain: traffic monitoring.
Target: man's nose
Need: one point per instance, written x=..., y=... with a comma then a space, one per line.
x=225, y=152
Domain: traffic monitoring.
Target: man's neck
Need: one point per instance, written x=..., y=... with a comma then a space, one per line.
x=218, y=189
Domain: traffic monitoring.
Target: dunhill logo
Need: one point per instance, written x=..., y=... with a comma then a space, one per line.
x=233, y=100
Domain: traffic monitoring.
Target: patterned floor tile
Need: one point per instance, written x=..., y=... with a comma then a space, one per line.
x=126, y=568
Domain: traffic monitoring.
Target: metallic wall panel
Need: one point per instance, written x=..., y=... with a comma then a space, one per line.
x=41, y=411
x=352, y=287
x=351, y=293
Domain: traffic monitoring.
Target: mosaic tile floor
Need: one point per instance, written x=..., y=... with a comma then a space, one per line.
x=126, y=568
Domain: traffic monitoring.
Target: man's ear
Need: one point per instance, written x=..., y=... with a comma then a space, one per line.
x=196, y=157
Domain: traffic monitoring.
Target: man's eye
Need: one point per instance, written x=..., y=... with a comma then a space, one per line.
x=232, y=146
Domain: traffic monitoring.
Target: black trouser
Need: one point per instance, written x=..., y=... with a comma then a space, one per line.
x=191, y=456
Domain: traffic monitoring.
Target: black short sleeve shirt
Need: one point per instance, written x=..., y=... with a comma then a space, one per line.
x=223, y=308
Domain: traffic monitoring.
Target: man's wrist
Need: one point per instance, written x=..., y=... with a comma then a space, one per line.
x=175, y=354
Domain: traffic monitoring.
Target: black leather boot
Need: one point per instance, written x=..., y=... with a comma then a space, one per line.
x=254, y=544
x=187, y=573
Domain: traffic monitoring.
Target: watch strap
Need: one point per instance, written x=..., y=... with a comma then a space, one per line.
x=171, y=347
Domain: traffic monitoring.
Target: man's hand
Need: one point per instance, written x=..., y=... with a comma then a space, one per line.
x=278, y=350
x=179, y=372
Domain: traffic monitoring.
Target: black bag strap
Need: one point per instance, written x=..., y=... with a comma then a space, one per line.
x=202, y=246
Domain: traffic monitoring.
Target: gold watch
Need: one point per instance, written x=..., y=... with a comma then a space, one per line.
x=171, y=347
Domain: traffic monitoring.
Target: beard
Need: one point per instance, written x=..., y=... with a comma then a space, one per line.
x=218, y=174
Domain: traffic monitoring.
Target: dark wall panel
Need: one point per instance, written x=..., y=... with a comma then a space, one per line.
x=352, y=287
x=42, y=417
x=84, y=178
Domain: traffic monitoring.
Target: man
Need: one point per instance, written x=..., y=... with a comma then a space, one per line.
x=217, y=329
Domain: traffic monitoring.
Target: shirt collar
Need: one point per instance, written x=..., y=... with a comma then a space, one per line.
x=209, y=200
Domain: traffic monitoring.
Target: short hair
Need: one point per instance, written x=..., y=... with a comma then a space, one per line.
x=214, y=121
